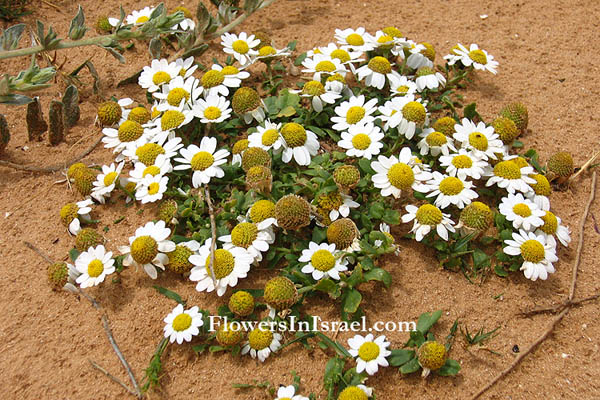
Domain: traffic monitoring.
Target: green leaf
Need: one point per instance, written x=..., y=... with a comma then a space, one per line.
x=480, y=259
x=400, y=357
x=169, y=294
x=500, y=271
x=470, y=111
x=333, y=371
x=9, y=39
x=376, y=211
x=426, y=321
x=356, y=278
x=379, y=274
x=351, y=301
x=451, y=367
x=15, y=100
x=391, y=217
x=73, y=254
x=410, y=367
x=298, y=61
x=287, y=112
x=326, y=285
x=517, y=144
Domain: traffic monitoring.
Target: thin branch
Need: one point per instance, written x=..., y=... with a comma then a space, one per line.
x=112, y=377
x=52, y=168
x=104, y=40
x=558, y=307
x=584, y=167
x=213, y=231
x=39, y=252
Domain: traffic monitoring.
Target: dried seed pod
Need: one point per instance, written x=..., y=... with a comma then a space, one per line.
x=56, y=132
x=36, y=125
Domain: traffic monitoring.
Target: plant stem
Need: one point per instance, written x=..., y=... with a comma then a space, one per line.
x=104, y=40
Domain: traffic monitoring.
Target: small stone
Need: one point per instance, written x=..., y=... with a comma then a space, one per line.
x=36, y=125
x=71, y=103
x=4, y=133
x=56, y=132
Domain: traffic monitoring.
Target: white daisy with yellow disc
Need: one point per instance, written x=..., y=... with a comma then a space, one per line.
x=435, y=143
x=319, y=94
x=552, y=228
x=254, y=237
x=362, y=140
x=147, y=248
x=523, y=213
x=139, y=17
x=377, y=72
x=72, y=214
x=188, y=67
x=464, y=164
x=405, y=113
x=288, y=393
x=178, y=91
x=182, y=325
x=385, y=229
x=268, y=53
x=229, y=266
x=450, y=190
x=426, y=218
x=428, y=78
x=148, y=153
x=403, y=87
x=173, y=117
x=298, y=143
x=479, y=139
x=94, y=265
x=346, y=56
x=322, y=66
x=158, y=73
x=473, y=56
x=358, y=392
x=151, y=188
x=370, y=353
x=267, y=137
x=354, y=39
x=397, y=174
x=106, y=182
x=385, y=42
x=218, y=80
x=161, y=167
x=323, y=261
x=242, y=47
x=128, y=137
x=508, y=175
x=538, y=254
x=213, y=110
x=204, y=161
x=417, y=55
x=261, y=343
x=354, y=111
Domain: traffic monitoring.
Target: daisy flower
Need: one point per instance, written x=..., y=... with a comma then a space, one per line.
x=428, y=217
x=161, y=167
x=478, y=58
x=507, y=175
x=246, y=103
x=434, y=143
x=157, y=74
x=383, y=41
x=255, y=238
x=319, y=94
x=174, y=117
x=203, y=160
x=267, y=137
x=178, y=90
x=450, y=190
x=481, y=140
x=241, y=47
x=147, y=248
x=463, y=164
x=523, y=213
x=289, y=393
x=362, y=140
x=261, y=342
x=356, y=392
x=182, y=324
x=418, y=55
x=123, y=103
x=377, y=72
x=214, y=109
x=151, y=188
x=538, y=255
x=269, y=53
x=139, y=17
x=129, y=136
x=72, y=212
x=148, y=153
x=230, y=266
x=94, y=265
x=298, y=143
x=334, y=204
x=393, y=175
x=106, y=182
x=403, y=87
x=385, y=229
x=346, y=56
x=355, y=39
x=405, y=113
x=218, y=80
x=553, y=227
x=187, y=66
x=428, y=78
x=369, y=353
x=321, y=64
x=323, y=261
x=354, y=111
x=541, y=191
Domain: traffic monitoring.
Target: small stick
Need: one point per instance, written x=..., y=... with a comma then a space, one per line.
x=113, y=378
x=52, y=5
x=584, y=167
x=52, y=168
x=566, y=309
x=558, y=307
x=213, y=230
x=39, y=252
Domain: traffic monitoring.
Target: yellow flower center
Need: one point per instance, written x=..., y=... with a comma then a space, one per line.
x=354, y=39
x=313, y=88
x=368, y=351
x=353, y=393
x=325, y=66
x=155, y=113
x=244, y=234
x=478, y=56
x=148, y=152
x=139, y=115
x=428, y=214
x=323, y=260
x=109, y=178
x=266, y=51
x=462, y=161
x=269, y=137
x=384, y=39
x=240, y=46
x=224, y=263
x=341, y=55
x=550, y=223
x=186, y=13
x=230, y=70
x=260, y=339
x=507, y=170
x=424, y=71
x=212, y=78
x=176, y=95
x=413, y=111
x=522, y=210
x=182, y=322
x=130, y=131
x=294, y=134
x=153, y=188
x=355, y=114
x=380, y=64
x=532, y=251
x=171, y=119
x=542, y=186
x=212, y=113
x=262, y=210
x=451, y=186
x=152, y=170
x=520, y=161
x=330, y=201
x=160, y=77
x=144, y=249
x=202, y=160
x=361, y=141
x=436, y=139
x=392, y=31
x=478, y=141
x=429, y=51
x=402, y=90
x=401, y=176
x=68, y=213
x=95, y=268
x=142, y=19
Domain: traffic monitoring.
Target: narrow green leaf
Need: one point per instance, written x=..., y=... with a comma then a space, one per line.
x=379, y=274
x=426, y=321
x=400, y=357
x=169, y=294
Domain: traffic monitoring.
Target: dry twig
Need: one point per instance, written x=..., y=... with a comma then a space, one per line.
x=584, y=167
x=567, y=307
x=213, y=231
x=558, y=307
x=112, y=377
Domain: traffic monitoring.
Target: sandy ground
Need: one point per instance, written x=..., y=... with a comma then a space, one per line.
x=548, y=54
